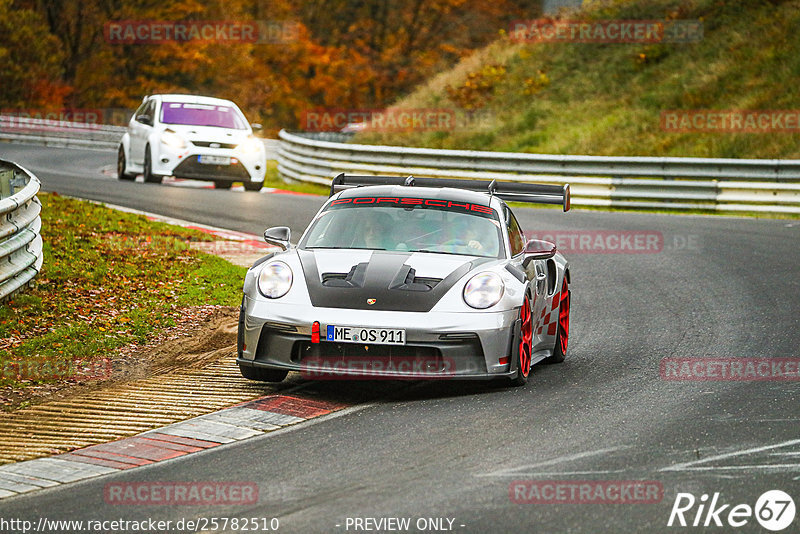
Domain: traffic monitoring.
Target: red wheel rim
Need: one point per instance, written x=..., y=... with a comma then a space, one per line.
x=525, y=338
x=563, y=317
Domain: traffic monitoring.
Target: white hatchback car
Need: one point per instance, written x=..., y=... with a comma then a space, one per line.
x=194, y=137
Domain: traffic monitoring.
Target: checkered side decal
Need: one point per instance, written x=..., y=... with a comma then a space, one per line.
x=548, y=319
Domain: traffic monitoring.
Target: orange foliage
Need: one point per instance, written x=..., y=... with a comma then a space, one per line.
x=340, y=53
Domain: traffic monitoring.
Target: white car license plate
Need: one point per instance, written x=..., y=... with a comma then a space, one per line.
x=214, y=160
x=373, y=336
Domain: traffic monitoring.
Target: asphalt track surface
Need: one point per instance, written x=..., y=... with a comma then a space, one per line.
x=719, y=288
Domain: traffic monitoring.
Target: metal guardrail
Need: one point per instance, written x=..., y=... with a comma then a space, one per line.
x=21, y=254
x=76, y=134
x=771, y=186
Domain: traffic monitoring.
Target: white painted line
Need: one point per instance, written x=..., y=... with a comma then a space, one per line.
x=5, y=493
x=556, y=473
x=560, y=459
x=791, y=467
x=685, y=465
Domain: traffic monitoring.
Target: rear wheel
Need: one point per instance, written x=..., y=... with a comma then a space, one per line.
x=149, y=177
x=262, y=375
x=122, y=165
x=222, y=184
x=253, y=186
x=525, y=344
x=562, y=338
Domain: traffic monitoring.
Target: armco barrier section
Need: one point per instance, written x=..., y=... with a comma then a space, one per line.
x=731, y=185
x=21, y=255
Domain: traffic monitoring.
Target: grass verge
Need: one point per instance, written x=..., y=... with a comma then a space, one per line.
x=109, y=279
x=607, y=98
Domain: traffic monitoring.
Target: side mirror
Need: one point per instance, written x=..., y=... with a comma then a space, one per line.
x=278, y=236
x=256, y=127
x=536, y=249
x=145, y=119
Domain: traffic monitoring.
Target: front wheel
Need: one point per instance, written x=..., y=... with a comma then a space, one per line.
x=221, y=184
x=562, y=337
x=122, y=166
x=262, y=375
x=253, y=186
x=149, y=177
x=525, y=344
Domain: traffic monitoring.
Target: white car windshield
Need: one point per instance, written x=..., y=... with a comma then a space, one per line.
x=202, y=115
x=402, y=228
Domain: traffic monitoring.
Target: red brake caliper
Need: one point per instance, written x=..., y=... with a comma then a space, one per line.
x=563, y=317
x=525, y=341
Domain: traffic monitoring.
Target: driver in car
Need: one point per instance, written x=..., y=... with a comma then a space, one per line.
x=465, y=234
x=378, y=232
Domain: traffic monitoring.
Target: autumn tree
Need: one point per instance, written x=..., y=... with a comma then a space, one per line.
x=340, y=53
x=30, y=61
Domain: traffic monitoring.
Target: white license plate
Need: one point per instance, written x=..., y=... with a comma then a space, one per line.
x=214, y=160
x=370, y=336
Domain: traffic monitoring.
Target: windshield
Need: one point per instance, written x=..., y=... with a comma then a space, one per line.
x=403, y=228
x=202, y=115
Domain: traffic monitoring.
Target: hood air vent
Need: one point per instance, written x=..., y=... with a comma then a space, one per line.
x=406, y=279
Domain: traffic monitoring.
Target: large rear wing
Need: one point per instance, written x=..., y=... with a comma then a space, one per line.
x=508, y=191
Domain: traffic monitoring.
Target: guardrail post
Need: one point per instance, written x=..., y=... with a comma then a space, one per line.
x=6, y=177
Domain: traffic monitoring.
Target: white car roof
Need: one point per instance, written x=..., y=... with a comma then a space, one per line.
x=194, y=99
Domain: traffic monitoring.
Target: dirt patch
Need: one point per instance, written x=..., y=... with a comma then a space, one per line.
x=202, y=335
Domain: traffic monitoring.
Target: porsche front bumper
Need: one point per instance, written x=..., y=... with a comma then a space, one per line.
x=470, y=345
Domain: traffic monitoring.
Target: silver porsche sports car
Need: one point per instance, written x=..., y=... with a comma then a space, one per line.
x=408, y=278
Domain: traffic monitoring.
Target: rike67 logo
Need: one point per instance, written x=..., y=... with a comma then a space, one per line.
x=774, y=510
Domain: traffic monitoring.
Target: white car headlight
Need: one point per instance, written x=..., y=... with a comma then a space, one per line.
x=252, y=145
x=275, y=279
x=172, y=139
x=483, y=290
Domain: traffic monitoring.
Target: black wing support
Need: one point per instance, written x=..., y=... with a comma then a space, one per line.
x=508, y=191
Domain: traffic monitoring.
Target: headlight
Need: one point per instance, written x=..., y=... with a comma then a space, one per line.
x=172, y=139
x=252, y=145
x=275, y=279
x=483, y=290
